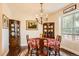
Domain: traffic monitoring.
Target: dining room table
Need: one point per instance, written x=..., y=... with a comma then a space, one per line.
x=39, y=43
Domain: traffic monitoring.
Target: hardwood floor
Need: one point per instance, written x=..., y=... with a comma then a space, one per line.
x=67, y=53
x=63, y=52
x=22, y=49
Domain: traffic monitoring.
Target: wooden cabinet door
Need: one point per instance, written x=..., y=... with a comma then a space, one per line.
x=48, y=30
x=14, y=37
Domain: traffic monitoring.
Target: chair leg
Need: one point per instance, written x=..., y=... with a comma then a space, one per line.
x=37, y=52
x=55, y=53
x=50, y=50
x=28, y=49
x=48, y=53
x=31, y=52
x=59, y=52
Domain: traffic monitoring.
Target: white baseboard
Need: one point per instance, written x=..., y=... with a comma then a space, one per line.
x=71, y=50
x=5, y=53
x=23, y=44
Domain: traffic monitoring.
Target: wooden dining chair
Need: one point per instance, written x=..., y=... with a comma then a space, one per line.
x=28, y=46
x=57, y=45
x=43, y=44
x=45, y=47
x=34, y=47
x=51, y=46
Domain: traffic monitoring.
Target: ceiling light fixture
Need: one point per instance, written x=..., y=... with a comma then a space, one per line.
x=42, y=16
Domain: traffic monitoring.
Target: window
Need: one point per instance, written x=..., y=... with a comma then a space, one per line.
x=70, y=26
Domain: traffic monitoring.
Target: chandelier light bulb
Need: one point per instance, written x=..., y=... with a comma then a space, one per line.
x=36, y=16
x=42, y=16
x=46, y=15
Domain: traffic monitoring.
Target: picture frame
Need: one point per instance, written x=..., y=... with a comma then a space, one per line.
x=70, y=8
x=31, y=25
x=5, y=21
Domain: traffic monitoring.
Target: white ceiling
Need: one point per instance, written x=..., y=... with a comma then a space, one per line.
x=30, y=10
x=34, y=8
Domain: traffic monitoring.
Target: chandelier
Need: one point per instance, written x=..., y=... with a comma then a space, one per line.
x=42, y=16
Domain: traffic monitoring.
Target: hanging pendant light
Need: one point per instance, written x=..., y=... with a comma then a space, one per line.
x=42, y=16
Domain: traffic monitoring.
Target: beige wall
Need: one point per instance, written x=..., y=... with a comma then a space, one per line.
x=22, y=18
x=54, y=17
x=0, y=29
x=4, y=33
x=71, y=45
x=31, y=33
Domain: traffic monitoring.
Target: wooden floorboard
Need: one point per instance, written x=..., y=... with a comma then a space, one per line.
x=68, y=52
x=22, y=49
x=63, y=52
